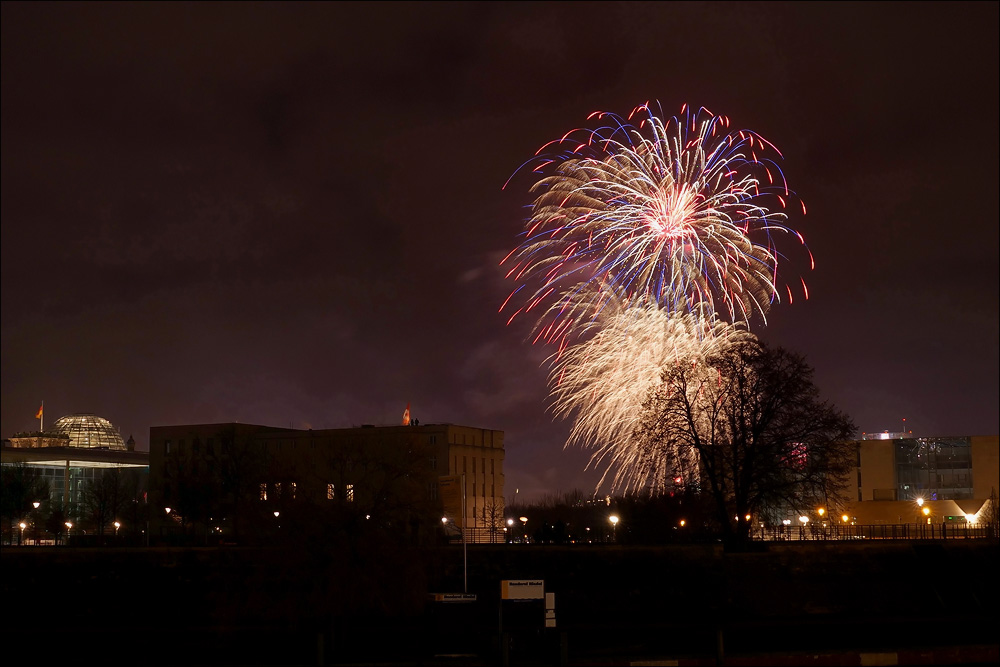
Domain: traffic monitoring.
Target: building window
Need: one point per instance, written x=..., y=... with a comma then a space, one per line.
x=166, y=446
x=277, y=490
x=933, y=468
x=434, y=463
x=263, y=491
x=331, y=492
x=350, y=493
x=292, y=488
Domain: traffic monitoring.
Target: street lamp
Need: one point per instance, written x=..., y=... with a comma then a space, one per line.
x=69, y=529
x=117, y=525
x=614, y=527
x=20, y=539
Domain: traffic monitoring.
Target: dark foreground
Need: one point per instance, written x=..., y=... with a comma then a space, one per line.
x=798, y=604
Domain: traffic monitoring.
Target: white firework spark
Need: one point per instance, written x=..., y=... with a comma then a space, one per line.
x=681, y=214
x=603, y=383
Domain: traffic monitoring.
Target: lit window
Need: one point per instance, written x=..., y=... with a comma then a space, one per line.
x=292, y=488
x=331, y=492
x=350, y=493
x=263, y=491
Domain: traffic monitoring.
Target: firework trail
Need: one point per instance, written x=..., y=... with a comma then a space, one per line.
x=650, y=244
x=603, y=383
x=676, y=213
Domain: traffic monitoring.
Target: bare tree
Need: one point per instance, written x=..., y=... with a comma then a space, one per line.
x=991, y=517
x=189, y=490
x=493, y=518
x=105, y=496
x=381, y=484
x=241, y=469
x=747, y=428
x=20, y=485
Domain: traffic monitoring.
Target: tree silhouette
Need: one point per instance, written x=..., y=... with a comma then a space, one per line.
x=748, y=429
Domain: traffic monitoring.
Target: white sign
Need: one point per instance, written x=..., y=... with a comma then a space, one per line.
x=522, y=589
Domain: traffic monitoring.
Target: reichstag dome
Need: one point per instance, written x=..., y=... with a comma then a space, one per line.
x=89, y=431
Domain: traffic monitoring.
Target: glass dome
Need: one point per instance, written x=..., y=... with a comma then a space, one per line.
x=86, y=430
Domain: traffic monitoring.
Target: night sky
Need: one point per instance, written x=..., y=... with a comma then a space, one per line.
x=293, y=215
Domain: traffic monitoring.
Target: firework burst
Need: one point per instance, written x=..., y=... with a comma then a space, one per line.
x=603, y=382
x=682, y=214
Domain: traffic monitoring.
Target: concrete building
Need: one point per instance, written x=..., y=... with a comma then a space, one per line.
x=223, y=478
x=913, y=480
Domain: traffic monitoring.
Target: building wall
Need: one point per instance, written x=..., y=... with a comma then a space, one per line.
x=985, y=465
x=39, y=441
x=882, y=497
x=878, y=470
x=369, y=467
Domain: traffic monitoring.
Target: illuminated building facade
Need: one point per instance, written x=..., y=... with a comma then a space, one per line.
x=76, y=451
x=907, y=480
x=212, y=476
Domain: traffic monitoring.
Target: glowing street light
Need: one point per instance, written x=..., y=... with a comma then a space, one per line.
x=614, y=527
x=117, y=525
